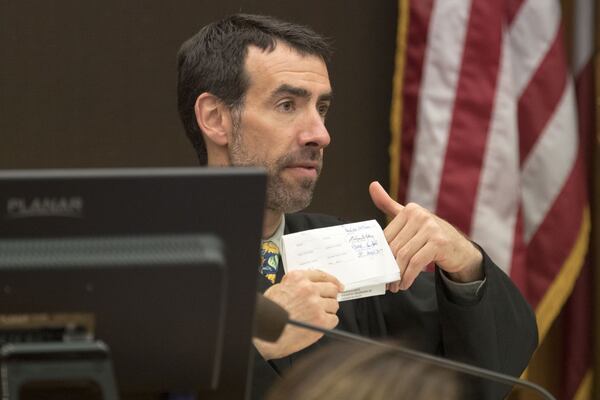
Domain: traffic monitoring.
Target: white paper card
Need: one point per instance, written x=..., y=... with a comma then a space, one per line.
x=356, y=254
x=366, y=291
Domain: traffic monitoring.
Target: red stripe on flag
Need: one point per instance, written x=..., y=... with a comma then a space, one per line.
x=553, y=241
x=562, y=222
x=420, y=15
x=471, y=115
x=540, y=98
x=512, y=8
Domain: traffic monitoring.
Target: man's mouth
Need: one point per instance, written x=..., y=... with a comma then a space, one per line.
x=307, y=164
x=308, y=169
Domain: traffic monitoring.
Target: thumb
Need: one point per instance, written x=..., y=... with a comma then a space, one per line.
x=383, y=201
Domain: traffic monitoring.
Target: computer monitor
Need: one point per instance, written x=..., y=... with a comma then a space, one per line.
x=160, y=264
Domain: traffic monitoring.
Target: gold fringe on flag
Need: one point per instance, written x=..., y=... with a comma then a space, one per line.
x=397, y=103
x=560, y=290
x=585, y=389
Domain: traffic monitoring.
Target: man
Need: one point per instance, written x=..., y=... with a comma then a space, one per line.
x=255, y=91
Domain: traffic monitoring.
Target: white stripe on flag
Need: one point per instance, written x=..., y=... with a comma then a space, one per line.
x=443, y=59
x=498, y=195
x=550, y=162
x=532, y=33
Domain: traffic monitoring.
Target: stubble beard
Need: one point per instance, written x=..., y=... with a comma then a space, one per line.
x=282, y=196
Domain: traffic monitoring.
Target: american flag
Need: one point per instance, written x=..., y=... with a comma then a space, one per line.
x=485, y=133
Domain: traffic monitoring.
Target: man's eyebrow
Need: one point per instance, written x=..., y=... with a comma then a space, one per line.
x=326, y=97
x=290, y=90
x=298, y=92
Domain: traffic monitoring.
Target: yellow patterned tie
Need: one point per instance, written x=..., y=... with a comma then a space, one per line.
x=269, y=260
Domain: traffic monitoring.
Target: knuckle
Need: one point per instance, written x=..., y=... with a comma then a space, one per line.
x=412, y=207
x=417, y=212
x=334, y=321
x=439, y=240
x=327, y=321
x=312, y=302
x=443, y=240
x=430, y=225
x=414, y=210
x=336, y=306
x=415, y=265
x=292, y=276
x=413, y=276
x=320, y=319
x=333, y=288
x=324, y=276
x=305, y=289
x=402, y=253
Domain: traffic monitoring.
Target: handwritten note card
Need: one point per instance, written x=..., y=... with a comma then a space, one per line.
x=357, y=254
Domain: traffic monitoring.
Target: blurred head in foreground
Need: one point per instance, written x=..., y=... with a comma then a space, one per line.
x=357, y=372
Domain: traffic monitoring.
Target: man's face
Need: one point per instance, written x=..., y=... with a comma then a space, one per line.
x=281, y=126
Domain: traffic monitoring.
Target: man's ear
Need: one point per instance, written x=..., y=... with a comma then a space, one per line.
x=213, y=118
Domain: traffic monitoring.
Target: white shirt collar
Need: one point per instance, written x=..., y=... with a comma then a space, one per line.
x=276, y=236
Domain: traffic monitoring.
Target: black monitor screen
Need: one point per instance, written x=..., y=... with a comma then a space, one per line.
x=157, y=263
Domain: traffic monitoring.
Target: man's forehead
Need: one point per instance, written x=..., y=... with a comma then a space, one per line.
x=284, y=61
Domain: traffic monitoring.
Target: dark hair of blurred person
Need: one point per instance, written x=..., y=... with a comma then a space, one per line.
x=361, y=372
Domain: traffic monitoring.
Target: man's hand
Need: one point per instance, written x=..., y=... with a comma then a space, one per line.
x=308, y=296
x=417, y=238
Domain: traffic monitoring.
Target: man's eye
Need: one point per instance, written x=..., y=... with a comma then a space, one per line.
x=323, y=108
x=286, y=106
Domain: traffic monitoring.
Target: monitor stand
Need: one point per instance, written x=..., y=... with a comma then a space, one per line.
x=56, y=362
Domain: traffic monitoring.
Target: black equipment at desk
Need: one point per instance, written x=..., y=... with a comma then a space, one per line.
x=158, y=264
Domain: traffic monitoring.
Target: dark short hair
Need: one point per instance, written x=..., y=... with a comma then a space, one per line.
x=213, y=61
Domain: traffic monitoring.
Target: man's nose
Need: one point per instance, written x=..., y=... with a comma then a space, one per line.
x=315, y=133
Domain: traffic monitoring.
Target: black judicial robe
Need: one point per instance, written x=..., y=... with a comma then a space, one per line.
x=498, y=331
